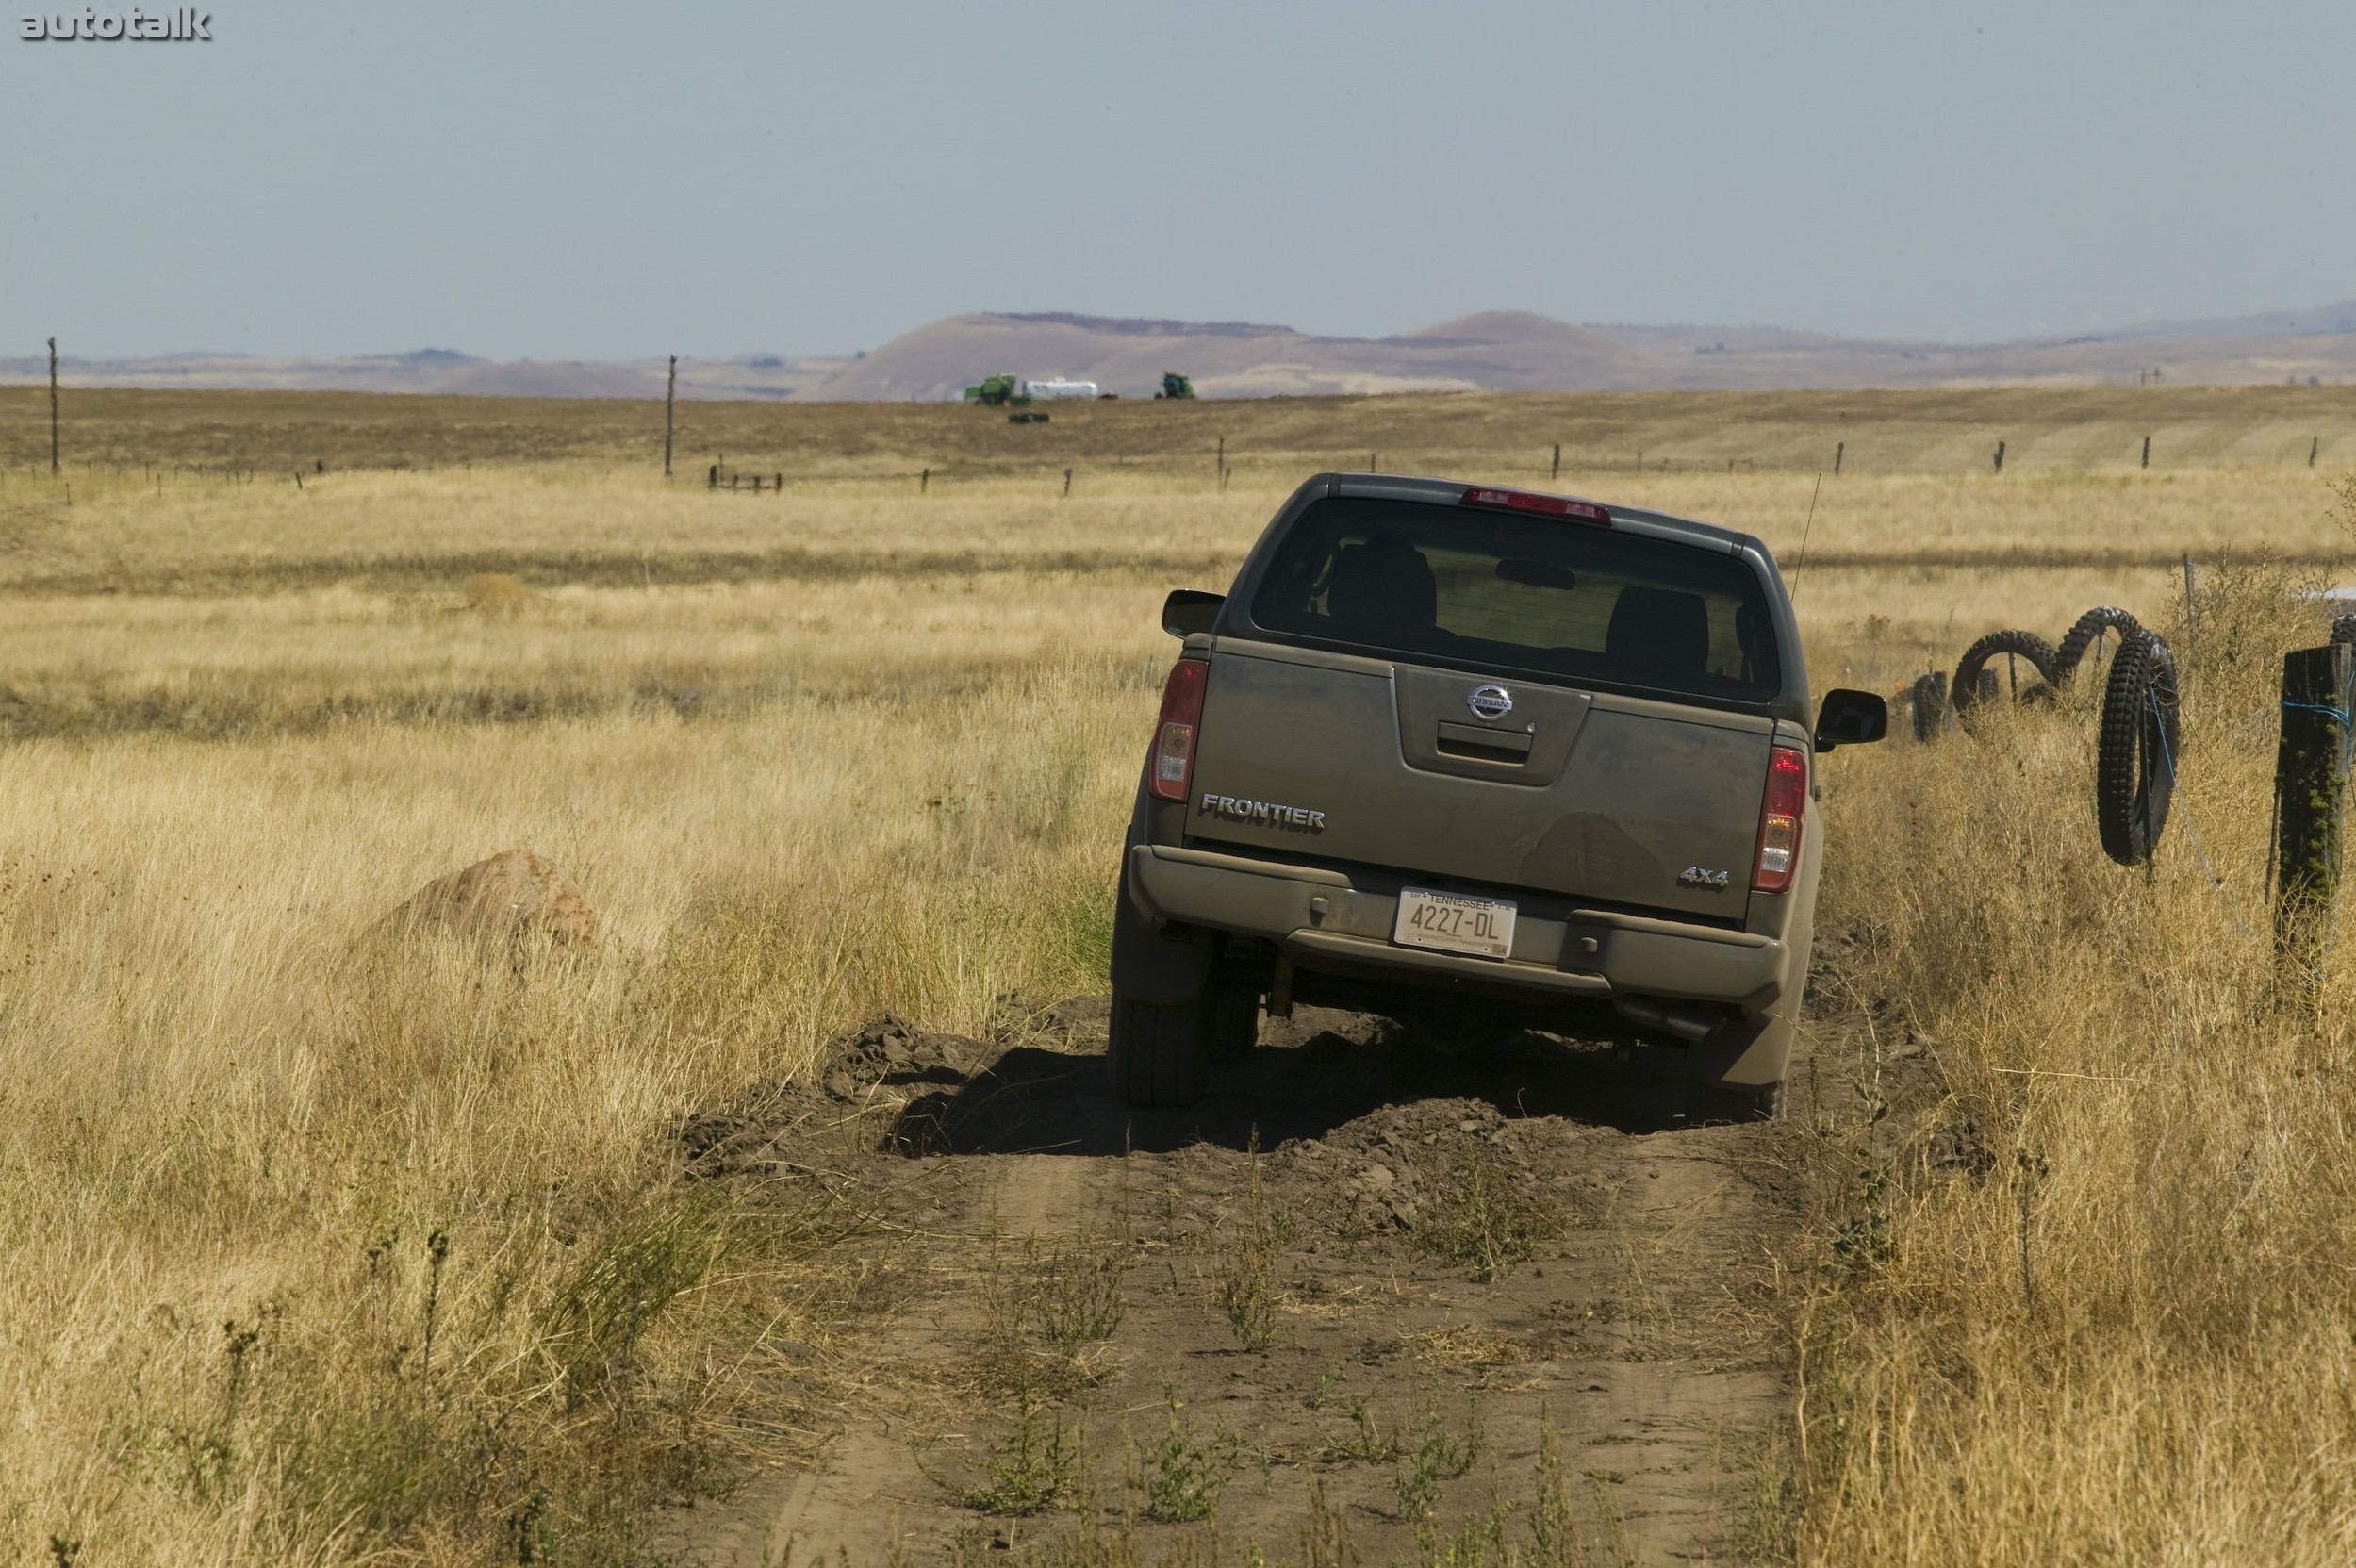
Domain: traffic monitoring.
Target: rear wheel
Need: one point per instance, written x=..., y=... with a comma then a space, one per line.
x=1160, y=1055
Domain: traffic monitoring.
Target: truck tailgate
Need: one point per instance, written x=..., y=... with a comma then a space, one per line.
x=1614, y=799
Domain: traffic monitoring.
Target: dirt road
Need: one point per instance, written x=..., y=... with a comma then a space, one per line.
x=1368, y=1298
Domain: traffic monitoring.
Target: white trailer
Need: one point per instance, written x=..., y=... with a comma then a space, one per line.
x=1056, y=386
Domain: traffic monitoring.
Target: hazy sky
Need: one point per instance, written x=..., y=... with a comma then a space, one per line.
x=596, y=180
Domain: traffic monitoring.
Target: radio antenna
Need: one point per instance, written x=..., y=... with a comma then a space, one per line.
x=1803, y=558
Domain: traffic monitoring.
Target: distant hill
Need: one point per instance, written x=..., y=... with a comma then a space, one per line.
x=1492, y=351
x=1496, y=353
x=1518, y=351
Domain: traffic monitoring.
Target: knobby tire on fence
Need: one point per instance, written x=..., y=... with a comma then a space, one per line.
x=2135, y=757
x=2081, y=636
x=1929, y=694
x=1968, y=690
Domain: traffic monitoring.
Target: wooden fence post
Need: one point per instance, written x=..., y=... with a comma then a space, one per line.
x=1841, y=450
x=714, y=482
x=924, y=481
x=1067, y=482
x=670, y=403
x=2315, y=444
x=2000, y=457
x=1558, y=472
x=53, y=406
x=2147, y=452
x=2309, y=784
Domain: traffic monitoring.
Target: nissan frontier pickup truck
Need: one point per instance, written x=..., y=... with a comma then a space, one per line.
x=1547, y=754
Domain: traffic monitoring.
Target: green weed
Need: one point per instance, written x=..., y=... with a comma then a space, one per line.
x=1180, y=1476
x=1479, y=1218
x=1246, y=1264
x=1366, y=1443
x=1036, y=1466
x=1438, y=1457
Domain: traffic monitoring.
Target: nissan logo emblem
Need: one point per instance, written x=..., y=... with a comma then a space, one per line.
x=1490, y=701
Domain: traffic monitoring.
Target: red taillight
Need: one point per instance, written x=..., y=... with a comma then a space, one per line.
x=1524, y=501
x=1172, y=765
x=1786, y=803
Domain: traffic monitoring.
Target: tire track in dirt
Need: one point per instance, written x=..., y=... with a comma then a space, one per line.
x=1364, y=1264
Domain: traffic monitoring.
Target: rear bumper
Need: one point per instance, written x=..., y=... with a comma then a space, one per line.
x=1324, y=922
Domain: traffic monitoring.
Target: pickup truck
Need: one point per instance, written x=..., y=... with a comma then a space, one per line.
x=1548, y=755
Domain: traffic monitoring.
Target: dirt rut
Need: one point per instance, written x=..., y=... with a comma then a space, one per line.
x=1368, y=1296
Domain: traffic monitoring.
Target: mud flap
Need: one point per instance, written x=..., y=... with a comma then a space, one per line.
x=1748, y=1054
x=1167, y=967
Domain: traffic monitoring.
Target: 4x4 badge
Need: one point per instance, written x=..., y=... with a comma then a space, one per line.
x=1490, y=701
x=1711, y=882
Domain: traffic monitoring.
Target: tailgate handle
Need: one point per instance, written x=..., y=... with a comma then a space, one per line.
x=1475, y=745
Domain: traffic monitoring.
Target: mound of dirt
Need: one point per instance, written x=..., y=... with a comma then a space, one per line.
x=890, y=1053
x=1400, y=1165
x=879, y=1068
x=516, y=893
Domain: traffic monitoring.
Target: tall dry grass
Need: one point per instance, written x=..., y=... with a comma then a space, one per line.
x=493, y=649
x=2096, y=1307
x=600, y=525
x=255, y=1163
x=1502, y=436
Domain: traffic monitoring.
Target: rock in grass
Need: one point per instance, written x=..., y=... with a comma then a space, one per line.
x=516, y=893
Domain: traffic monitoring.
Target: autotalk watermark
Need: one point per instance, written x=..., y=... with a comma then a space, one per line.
x=182, y=23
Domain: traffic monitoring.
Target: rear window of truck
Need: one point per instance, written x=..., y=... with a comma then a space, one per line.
x=1540, y=595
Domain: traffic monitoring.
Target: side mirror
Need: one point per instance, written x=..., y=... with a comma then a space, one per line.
x=1188, y=611
x=1850, y=718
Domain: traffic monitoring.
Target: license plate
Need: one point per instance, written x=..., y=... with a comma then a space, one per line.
x=1453, y=923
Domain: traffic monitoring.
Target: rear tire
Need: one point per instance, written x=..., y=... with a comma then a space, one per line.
x=1160, y=1056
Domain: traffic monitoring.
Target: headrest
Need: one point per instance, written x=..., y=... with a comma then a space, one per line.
x=1382, y=589
x=1659, y=637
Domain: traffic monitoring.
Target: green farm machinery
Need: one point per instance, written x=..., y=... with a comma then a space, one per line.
x=999, y=392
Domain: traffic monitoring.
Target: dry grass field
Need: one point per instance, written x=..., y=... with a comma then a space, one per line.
x=320, y=1243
